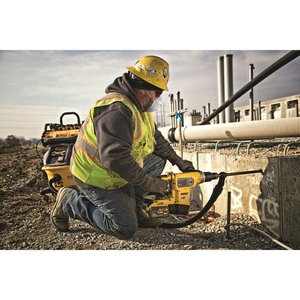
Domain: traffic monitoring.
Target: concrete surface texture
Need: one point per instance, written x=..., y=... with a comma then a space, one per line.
x=272, y=198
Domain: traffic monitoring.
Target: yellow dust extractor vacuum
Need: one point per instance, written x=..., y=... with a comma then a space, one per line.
x=59, y=140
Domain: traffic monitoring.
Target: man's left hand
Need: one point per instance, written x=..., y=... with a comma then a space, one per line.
x=185, y=165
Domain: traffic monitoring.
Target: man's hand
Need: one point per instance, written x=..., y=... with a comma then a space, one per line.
x=185, y=165
x=159, y=186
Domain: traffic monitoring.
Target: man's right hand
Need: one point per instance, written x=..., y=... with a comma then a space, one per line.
x=159, y=186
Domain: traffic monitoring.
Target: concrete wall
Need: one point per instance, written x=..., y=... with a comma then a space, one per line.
x=279, y=201
x=272, y=199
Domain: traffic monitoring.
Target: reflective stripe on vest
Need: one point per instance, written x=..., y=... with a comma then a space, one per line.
x=85, y=162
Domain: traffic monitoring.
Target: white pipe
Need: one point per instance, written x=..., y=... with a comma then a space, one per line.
x=266, y=129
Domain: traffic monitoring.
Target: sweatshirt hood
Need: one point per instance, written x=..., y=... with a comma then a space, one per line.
x=122, y=85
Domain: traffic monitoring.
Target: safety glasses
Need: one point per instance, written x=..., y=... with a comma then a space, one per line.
x=158, y=93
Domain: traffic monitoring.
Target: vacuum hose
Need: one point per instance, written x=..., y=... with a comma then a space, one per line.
x=56, y=178
x=213, y=198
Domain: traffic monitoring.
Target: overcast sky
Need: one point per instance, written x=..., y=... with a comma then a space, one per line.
x=37, y=86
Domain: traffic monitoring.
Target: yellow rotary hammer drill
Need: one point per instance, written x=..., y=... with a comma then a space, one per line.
x=177, y=200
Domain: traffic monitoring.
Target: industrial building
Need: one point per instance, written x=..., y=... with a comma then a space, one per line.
x=286, y=107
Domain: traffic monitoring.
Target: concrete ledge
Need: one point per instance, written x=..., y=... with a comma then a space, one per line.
x=273, y=199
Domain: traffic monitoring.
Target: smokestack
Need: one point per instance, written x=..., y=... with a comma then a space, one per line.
x=228, y=86
x=221, y=99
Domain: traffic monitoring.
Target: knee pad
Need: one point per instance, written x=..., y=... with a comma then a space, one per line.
x=126, y=232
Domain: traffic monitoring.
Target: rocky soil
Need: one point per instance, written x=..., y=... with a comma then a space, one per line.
x=24, y=220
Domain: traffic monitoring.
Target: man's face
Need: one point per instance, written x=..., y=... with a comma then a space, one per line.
x=149, y=97
x=146, y=97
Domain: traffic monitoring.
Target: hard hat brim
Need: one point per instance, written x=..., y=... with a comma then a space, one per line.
x=138, y=74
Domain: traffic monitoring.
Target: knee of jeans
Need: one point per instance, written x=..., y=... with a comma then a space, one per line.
x=126, y=232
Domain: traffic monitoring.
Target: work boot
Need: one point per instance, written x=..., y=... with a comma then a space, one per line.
x=57, y=216
x=145, y=221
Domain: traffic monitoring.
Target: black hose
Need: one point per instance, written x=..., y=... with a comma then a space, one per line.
x=56, y=178
x=213, y=198
x=37, y=152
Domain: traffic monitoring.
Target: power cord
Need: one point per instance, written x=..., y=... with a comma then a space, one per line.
x=36, y=149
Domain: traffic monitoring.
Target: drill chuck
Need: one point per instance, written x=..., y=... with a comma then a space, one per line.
x=210, y=176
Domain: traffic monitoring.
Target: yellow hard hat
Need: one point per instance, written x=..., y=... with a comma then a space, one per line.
x=152, y=69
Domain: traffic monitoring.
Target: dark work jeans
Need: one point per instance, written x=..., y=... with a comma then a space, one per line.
x=112, y=211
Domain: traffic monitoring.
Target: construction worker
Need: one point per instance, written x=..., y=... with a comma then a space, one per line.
x=118, y=155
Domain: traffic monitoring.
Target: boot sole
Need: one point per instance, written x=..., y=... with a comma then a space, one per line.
x=52, y=217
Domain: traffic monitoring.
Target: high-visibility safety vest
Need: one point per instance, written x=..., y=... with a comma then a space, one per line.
x=85, y=161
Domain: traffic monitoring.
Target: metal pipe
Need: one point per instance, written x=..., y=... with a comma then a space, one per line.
x=259, y=110
x=260, y=77
x=172, y=110
x=179, y=125
x=181, y=113
x=217, y=119
x=204, y=111
x=265, y=129
x=221, y=99
x=228, y=86
x=208, y=108
x=174, y=113
x=227, y=227
x=178, y=101
x=251, y=68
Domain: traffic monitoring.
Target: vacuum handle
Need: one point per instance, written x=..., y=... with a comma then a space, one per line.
x=69, y=113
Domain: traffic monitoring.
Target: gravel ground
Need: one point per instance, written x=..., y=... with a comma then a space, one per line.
x=24, y=220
